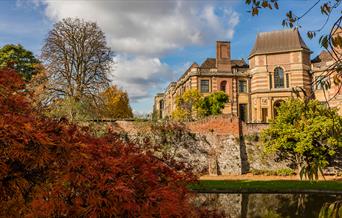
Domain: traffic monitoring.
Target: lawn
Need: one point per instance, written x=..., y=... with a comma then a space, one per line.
x=276, y=186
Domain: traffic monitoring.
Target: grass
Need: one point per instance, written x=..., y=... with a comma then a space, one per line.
x=276, y=186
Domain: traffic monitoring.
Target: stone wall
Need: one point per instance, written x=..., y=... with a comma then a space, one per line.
x=217, y=145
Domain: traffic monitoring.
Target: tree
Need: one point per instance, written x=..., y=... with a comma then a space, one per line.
x=331, y=40
x=77, y=59
x=213, y=104
x=115, y=104
x=74, y=110
x=307, y=133
x=187, y=105
x=51, y=168
x=191, y=105
x=19, y=59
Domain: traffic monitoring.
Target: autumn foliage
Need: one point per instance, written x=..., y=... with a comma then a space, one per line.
x=51, y=168
x=115, y=103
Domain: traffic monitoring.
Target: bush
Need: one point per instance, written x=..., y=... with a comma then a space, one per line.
x=51, y=168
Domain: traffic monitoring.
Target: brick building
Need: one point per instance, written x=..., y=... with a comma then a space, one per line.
x=279, y=61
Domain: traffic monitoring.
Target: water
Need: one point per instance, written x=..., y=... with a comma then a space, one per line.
x=271, y=205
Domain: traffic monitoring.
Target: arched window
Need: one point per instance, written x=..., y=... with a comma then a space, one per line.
x=278, y=78
x=223, y=86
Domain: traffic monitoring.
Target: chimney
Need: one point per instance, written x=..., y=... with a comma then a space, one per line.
x=223, y=56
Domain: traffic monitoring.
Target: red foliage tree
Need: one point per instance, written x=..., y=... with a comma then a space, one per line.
x=50, y=168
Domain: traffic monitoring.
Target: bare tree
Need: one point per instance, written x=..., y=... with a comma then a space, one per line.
x=77, y=60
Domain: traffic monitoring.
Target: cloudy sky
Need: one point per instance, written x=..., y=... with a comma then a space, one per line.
x=154, y=40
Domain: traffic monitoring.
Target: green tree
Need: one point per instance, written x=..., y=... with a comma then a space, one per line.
x=16, y=57
x=191, y=104
x=213, y=104
x=75, y=110
x=307, y=133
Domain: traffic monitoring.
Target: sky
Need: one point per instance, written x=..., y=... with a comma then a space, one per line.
x=155, y=41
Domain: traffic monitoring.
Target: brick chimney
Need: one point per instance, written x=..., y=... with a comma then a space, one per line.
x=223, y=56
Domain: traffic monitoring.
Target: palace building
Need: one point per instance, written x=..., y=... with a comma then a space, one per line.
x=278, y=62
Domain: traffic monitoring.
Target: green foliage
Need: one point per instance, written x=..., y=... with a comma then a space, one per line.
x=192, y=105
x=331, y=210
x=72, y=109
x=213, y=104
x=19, y=59
x=307, y=133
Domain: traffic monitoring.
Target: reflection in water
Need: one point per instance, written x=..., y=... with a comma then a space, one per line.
x=331, y=210
x=273, y=205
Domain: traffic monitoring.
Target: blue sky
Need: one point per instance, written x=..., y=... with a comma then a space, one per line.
x=155, y=40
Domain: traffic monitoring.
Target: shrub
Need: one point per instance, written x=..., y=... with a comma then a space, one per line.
x=51, y=168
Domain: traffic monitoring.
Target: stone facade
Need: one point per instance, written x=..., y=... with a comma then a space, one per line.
x=278, y=63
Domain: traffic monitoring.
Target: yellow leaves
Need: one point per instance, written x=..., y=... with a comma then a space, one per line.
x=115, y=104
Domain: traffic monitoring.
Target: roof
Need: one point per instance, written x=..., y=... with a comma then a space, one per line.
x=278, y=41
x=324, y=56
x=211, y=63
x=239, y=63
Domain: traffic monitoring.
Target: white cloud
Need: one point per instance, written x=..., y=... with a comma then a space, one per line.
x=145, y=31
x=150, y=27
x=140, y=75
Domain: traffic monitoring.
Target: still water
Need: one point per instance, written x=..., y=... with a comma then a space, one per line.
x=273, y=205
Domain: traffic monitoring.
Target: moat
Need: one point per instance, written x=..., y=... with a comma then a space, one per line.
x=271, y=205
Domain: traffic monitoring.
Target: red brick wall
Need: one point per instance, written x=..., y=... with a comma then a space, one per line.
x=221, y=125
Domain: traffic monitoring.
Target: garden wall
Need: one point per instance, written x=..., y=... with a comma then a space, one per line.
x=214, y=145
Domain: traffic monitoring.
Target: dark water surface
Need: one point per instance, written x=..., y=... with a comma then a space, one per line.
x=270, y=205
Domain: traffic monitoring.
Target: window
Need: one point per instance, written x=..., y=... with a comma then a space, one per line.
x=270, y=80
x=204, y=86
x=278, y=78
x=287, y=81
x=242, y=86
x=223, y=86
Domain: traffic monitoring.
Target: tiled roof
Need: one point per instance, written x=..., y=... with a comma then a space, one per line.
x=211, y=63
x=239, y=63
x=324, y=56
x=278, y=41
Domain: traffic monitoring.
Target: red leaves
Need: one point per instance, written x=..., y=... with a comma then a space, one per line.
x=52, y=169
